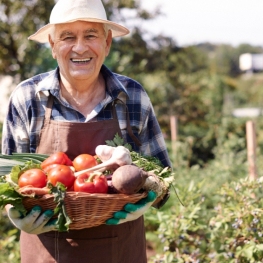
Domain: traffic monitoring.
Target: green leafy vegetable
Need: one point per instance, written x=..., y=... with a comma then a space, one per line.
x=11, y=166
x=8, y=195
x=9, y=187
x=118, y=141
x=59, y=192
x=147, y=163
x=7, y=162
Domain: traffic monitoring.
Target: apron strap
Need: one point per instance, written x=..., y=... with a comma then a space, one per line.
x=49, y=107
x=129, y=129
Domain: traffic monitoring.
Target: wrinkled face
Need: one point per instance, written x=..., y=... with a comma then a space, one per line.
x=80, y=49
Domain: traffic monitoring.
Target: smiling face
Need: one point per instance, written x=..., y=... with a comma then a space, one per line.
x=80, y=49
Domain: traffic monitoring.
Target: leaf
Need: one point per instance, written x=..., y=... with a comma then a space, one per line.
x=18, y=169
x=8, y=195
x=7, y=162
x=117, y=141
x=59, y=192
x=8, y=187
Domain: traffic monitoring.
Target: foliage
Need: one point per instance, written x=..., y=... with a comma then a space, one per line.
x=200, y=85
x=190, y=82
x=249, y=92
x=213, y=197
x=19, y=20
x=22, y=58
x=1, y=127
x=221, y=217
x=230, y=231
x=9, y=241
x=224, y=58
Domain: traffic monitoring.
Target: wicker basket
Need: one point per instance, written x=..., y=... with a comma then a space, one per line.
x=86, y=210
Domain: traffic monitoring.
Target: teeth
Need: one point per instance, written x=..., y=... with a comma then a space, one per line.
x=81, y=60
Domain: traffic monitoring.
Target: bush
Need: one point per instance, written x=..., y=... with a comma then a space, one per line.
x=230, y=232
x=9, y=245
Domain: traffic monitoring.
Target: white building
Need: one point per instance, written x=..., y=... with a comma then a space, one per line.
x=251, y=62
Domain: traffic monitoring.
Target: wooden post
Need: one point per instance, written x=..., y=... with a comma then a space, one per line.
x=251, y=149
x=173, y=123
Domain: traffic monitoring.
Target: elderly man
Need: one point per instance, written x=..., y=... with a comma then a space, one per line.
x=74, y=108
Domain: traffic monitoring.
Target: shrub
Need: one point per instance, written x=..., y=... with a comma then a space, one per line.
x=229, y=232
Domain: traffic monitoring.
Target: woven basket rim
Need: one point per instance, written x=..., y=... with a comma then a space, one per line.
x=85, y=209
x=84, y=194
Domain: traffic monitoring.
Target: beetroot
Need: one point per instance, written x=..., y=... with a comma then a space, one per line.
x=128, y=179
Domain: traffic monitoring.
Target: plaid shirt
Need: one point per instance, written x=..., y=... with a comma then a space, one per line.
x=28, y=102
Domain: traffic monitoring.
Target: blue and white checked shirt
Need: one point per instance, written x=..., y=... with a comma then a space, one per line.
x=28, y=102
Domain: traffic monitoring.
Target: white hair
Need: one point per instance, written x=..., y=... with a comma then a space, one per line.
x=106, y=29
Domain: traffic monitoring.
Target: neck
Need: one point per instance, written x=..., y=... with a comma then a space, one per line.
x=83, y=96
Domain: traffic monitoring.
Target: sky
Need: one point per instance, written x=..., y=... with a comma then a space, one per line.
x=217, y=21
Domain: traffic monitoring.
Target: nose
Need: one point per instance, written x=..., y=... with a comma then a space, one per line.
x=80, y=46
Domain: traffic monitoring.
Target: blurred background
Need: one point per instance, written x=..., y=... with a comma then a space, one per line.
x=201, y=62
x=220, y=22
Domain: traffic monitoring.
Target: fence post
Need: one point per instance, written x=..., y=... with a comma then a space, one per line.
x=251, y=149
x=173, y=123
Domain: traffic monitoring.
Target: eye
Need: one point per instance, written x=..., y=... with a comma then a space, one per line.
x=68, y=38
x=90, y=36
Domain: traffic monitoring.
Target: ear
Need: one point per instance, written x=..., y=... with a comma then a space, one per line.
x=52, y=44
x=108, y=42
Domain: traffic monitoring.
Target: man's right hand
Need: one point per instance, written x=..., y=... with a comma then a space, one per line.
x=34, y=222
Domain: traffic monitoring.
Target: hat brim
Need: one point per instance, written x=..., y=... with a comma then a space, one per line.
x=41, y=35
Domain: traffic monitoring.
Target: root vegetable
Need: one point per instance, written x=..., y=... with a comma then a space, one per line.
x=111, y=188
x=120, y=156
x=104, y=152
x=153, y=183
x=128, y=179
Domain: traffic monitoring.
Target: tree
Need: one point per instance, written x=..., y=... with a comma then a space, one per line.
x=224, y=58
x=19, y=19
x=18, y=56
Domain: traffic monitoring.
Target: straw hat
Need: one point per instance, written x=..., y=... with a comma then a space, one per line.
x=67, y=11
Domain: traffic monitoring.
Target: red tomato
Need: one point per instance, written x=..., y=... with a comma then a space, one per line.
x=84, y=161
x=56, y=158
x=34, y=177
x=91, y=184
x=61, y=173
x=49, y=167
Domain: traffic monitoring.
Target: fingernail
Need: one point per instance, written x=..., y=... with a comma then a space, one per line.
x=36, y=208
x=49, y=213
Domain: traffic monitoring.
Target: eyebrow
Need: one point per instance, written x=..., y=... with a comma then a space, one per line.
x=69, y=33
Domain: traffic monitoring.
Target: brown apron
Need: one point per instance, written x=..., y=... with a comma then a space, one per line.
x=124, y=243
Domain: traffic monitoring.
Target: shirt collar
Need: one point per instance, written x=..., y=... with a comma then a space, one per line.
x=51, y=83
x=113, y=85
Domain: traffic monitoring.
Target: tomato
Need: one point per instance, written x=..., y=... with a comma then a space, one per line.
x=91, y=183
x=84, y=161
x=61, y=173
x=56, y=158
x=34, y=177
x=49, y=167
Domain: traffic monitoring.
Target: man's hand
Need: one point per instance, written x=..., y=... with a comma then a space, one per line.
x=34, y=222
x=133, y=211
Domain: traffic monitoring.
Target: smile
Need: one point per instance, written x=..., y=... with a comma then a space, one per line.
x=81, y=61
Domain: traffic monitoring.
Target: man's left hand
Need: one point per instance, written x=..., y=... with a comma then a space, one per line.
x=132, y=212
